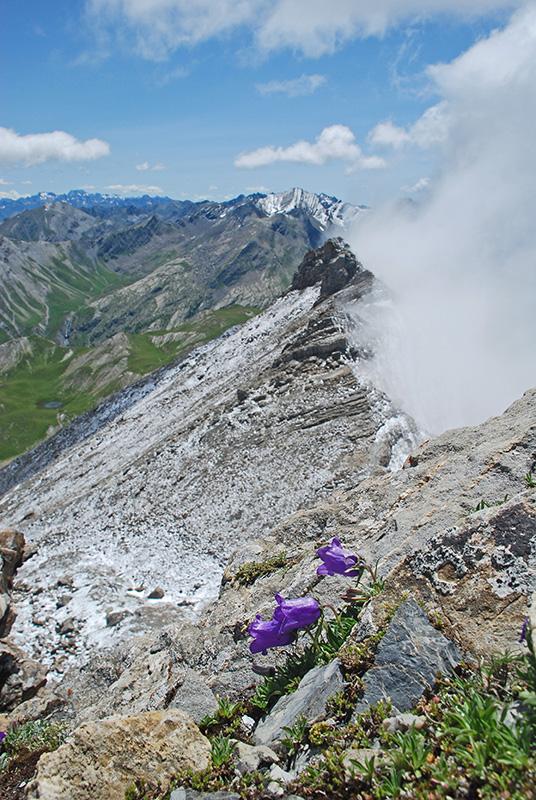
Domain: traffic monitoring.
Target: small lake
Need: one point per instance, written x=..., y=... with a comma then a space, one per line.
x=50, y=404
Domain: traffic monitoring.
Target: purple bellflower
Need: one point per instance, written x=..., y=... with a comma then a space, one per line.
x=524, y=631
x=295, y=614
x=268, y=633
x=288, y=618
x=3, y=735
x=336, y=561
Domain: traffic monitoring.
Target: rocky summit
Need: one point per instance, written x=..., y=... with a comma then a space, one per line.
x=142, y=540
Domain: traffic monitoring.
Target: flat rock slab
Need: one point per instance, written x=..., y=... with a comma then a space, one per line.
x=309, y=701
x=102, y=759
x=408, y=659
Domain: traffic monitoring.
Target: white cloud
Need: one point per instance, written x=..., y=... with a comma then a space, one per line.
x=418, y=186
x=147, y=167
x=134, y=189
x=430, y=129
x=296, y=87
x=336, y=142
x=3, y=182
x=155, y=28
x=461, y=262
x=35, y=148
x=11, y=194
x=386, y=134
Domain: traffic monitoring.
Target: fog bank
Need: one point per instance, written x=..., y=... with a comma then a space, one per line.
x=459, y=342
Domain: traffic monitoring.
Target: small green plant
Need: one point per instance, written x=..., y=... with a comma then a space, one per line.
x=483, y=504
x=530, y=480
x=295, y=736
x=225, y=720
x=222, y=750
x=31, y=737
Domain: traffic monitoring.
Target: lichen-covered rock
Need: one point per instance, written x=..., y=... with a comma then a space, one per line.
x=309, y=701
x=102, y=759
x=409, y=657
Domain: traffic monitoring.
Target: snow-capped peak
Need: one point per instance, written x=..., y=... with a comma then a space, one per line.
x=324, y=209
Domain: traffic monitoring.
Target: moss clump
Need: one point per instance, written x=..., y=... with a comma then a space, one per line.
x=251, y=571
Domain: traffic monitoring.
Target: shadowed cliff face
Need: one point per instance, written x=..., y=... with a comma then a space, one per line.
x=217, y=450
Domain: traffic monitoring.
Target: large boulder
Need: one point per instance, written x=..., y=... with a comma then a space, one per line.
x=102, y=759
x=409, y=657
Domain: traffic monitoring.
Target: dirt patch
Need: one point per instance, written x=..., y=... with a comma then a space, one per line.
x=14, y=781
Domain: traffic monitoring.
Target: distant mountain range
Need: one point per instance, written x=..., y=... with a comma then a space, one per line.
x=98, y=290
x=324, y=208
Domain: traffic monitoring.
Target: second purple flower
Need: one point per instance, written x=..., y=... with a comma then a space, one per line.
x=336, y=561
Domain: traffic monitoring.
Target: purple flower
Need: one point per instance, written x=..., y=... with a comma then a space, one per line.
x=524, y=630
x=268, y=633
x=295, y=614
x=336, y=561
x=3, y=735
x=288, y=617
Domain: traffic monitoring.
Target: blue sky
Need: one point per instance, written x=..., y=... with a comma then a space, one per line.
x=171, y=91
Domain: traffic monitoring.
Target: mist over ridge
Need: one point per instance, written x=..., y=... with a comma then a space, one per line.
x=456, y=343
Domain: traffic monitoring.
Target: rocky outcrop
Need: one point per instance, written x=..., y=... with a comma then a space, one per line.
x=11, y=555
x=409, y=657
x=20, y=676
x=101, y=760
x=334, y=267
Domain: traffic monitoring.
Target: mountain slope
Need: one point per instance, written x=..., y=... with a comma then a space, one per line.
x=140, y=282
x=243, y=432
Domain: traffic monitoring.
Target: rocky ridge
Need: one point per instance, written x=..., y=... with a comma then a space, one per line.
x=452, y=532
x=212, y=449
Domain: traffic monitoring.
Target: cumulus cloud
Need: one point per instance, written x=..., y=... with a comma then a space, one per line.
x=134, y=189
x=36, y=148
x=336, y=142
x=157, y=27
x=430, y=129
x=296, y=87
x=458, y=343
x=145, y=166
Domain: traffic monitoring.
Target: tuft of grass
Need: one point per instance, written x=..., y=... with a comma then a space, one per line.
x=530, y=480
x=483, y=504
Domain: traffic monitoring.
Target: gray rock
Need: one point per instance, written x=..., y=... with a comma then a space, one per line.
x=309, y=700
x=115, y=617
x=249, y=758
x=21, y=677
x=190, y=794
x=403, y=722
x=194, y=696
x=409, y=657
